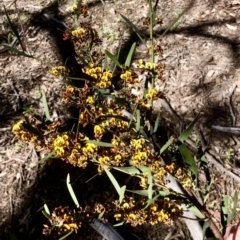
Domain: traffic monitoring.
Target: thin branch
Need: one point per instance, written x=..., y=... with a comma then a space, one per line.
x=229, y=101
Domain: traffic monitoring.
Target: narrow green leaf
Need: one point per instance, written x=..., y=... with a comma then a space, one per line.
x=225, y=206
x=140, y=192
x=49, y=156
x=119, y=224
x=113, y=58
x=113, y=180
x=206, y=197
x=235, y=201
x=129, y=56
x=100, y=144
x=185, y=134
x=132, y=170
x=65, y=236
x=13, y=49
x=92, y=177
x=150, y=185
x=101, y=214
x=206, y=225
x=196, y=212
x=45, y=106
x=145, y=192
x=134, y=28
x=46, y=209
x=79, y=2
x=132, y=116
x=188, y=159
x=122, y=193
x=149, y=202
x=14, y=29
x=172, y=24
x=166, y=145
x=45, y=214
x=118, y=55
x=224, y=211
x=208, y=190
x=70, y=189
x=85, y=78
x=138, y=121
x=156, y=124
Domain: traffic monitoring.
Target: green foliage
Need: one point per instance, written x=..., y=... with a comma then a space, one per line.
x=70, y=189
x=227, y=215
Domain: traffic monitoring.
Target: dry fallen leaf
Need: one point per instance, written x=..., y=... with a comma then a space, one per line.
x=231, y=27
x=232, y=232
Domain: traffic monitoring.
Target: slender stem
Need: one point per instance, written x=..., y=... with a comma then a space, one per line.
x=151, y=14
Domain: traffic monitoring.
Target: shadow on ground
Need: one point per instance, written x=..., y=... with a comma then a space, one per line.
x=50, y=188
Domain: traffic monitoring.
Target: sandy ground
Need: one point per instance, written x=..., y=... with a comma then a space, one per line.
x=201, y=53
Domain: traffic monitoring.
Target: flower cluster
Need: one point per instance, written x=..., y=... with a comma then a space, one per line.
x=33, y=131
x=62, y=220
x=79, y=33
x=142, y=155
x=59, y=70
x=61, y=144
x=78, y=152
x=69, y=94
x=161, y=211
x=83, y=10
x=103, y=77
x=146, y=65
x=156, y=70
x=152, y=94
x=129, y=76
x=22, y=133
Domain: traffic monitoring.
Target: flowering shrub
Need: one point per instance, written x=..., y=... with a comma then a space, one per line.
x=114, y=138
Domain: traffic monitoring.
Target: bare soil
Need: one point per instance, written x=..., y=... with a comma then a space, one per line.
x=201, y=52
